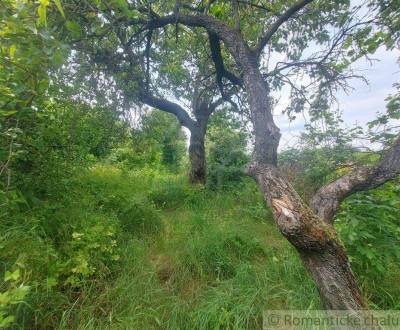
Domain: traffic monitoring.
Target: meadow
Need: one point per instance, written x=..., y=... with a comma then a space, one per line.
x=141, y=248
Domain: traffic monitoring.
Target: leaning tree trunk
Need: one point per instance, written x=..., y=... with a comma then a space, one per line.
x=197, y=157
x=316, y=241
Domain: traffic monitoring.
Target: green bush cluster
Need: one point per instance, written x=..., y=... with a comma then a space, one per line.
x=226, y=151
x=369, y=225
x=140, y=218
x=63, y=246
x=217, y=254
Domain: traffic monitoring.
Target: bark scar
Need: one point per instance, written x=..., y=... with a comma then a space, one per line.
x=280, y=207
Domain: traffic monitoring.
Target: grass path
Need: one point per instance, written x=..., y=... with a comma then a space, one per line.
x=217, y=263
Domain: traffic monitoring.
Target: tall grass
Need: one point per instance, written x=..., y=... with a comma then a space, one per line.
x=188, y=258
x=217, y=263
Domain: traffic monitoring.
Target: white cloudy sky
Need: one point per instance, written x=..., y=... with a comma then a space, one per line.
x=363, y=102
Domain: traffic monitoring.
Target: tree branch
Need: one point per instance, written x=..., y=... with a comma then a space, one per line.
x=167, y=106
x=214, y=105
x=235, y=12
x=216, y=56
x=275, y=26
x=249, y=3
x=147, y=54
x=223, y=31
x=327, y=200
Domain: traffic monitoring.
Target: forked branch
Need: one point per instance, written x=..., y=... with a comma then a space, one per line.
x=275, y=26
x=327, y=200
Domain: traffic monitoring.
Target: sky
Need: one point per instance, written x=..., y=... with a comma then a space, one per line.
x=362, y=103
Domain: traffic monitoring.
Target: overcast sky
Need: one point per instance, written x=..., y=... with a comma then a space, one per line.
x=362, y=104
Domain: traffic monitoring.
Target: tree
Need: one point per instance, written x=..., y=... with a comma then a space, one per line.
x=186, y=74
x=167, y=135
x=27, y=52
x=251, y=33
x=179, y=82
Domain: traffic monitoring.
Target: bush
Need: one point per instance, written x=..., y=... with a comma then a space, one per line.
x=92, y=247
x=13, y=292
x=140, y=218
x=169, y=194
x=369, y=225
x=217, y=254
x=226, y=151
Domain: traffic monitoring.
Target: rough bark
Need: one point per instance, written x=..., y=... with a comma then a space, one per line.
x=197, y=157
x=216, y=56
x=317, y=242
x=328, y=198
x=197, y=152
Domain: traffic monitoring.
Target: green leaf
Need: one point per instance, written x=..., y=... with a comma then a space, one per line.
x=59, y=7
x=6, y=321
x=74, y=28
x=12, y=50
x=14, y=276
x=42, y=12
x=7, y=113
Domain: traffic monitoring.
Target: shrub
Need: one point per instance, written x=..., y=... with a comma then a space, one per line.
x=13, y=292
x=169, y=194
x=369, y=225
x=92, y=247
x=140, y=218
x=226, y=151
x=217, y=254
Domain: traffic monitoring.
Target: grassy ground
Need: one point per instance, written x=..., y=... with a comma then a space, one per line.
x=181, y=257
x=217, y=262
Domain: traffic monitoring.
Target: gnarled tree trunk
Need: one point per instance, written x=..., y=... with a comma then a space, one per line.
x=315, y=240
x=197, y=127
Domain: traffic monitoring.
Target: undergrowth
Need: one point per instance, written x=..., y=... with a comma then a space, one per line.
x=127, y=249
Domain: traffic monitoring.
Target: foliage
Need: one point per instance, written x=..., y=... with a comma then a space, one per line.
x=369, y=227
x=13, y=293
x=62, y=137
x=140, y=218
x=384, y=128
x=389, y=20
x=310, y=168
x=167, y=135
x=27, y=51
x=226, y=144
x=92, y=247
x=324, y=153
x=159, y=140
